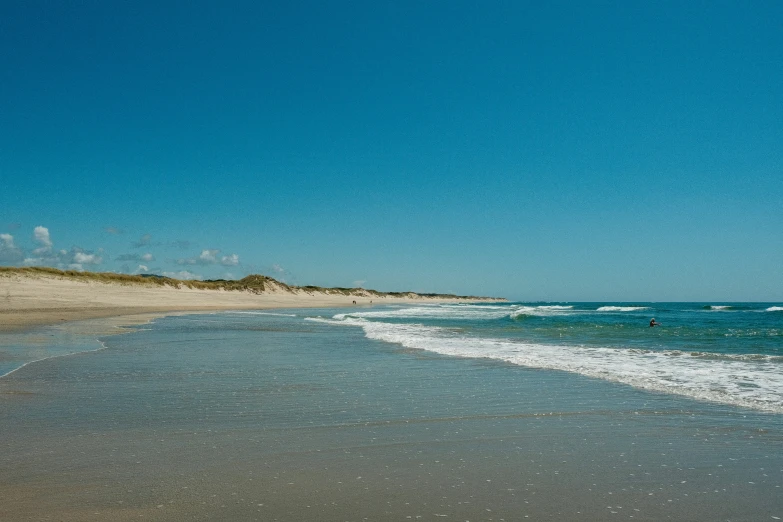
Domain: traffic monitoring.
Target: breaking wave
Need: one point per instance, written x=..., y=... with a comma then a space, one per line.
x=752, y=380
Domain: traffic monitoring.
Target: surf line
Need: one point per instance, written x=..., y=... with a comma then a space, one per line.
x=103, y=347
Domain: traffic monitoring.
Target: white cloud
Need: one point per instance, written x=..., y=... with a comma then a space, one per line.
x=232, y=260
x=148, y=257
x=279, y=269
x=141, y=269
x=41, y=236
x=359, y=283
x=88, y=259
x=75, y=258
x=183, y=274
x=9, y=252
x=208, y=256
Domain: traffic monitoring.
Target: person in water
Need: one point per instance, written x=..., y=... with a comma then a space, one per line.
x=653, y=323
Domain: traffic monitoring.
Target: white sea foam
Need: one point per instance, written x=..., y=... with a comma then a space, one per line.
x=621, y=308
x=434, y=312
x=260, y=313
x=543, y=310
x=458, y=312
x=720, y=307
x=775, y=309
x=753, y=381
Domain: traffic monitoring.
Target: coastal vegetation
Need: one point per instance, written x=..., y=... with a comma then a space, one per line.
x=254, y=283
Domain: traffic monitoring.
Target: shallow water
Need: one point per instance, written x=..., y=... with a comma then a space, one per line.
x=274, y=417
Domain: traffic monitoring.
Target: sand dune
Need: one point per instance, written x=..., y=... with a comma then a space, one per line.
x=40, y=298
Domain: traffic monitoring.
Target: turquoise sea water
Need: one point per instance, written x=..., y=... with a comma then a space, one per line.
x=552, y=411
x=729, y=353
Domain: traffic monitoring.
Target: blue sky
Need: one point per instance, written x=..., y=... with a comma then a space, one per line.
x=569, y=151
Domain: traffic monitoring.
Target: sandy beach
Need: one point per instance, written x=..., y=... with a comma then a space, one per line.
x=41, y=299
x=297, y=415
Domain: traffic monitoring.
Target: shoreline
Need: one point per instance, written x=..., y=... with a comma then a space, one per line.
x=17, y=321
x=29, y=301
x=218, y=421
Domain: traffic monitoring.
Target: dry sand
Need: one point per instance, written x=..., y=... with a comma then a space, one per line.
x=27, y=301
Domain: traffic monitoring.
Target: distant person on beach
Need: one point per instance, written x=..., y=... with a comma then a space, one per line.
x=653, y=323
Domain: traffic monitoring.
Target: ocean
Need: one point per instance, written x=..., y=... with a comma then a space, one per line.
x=726, y=353
x=502, y=411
